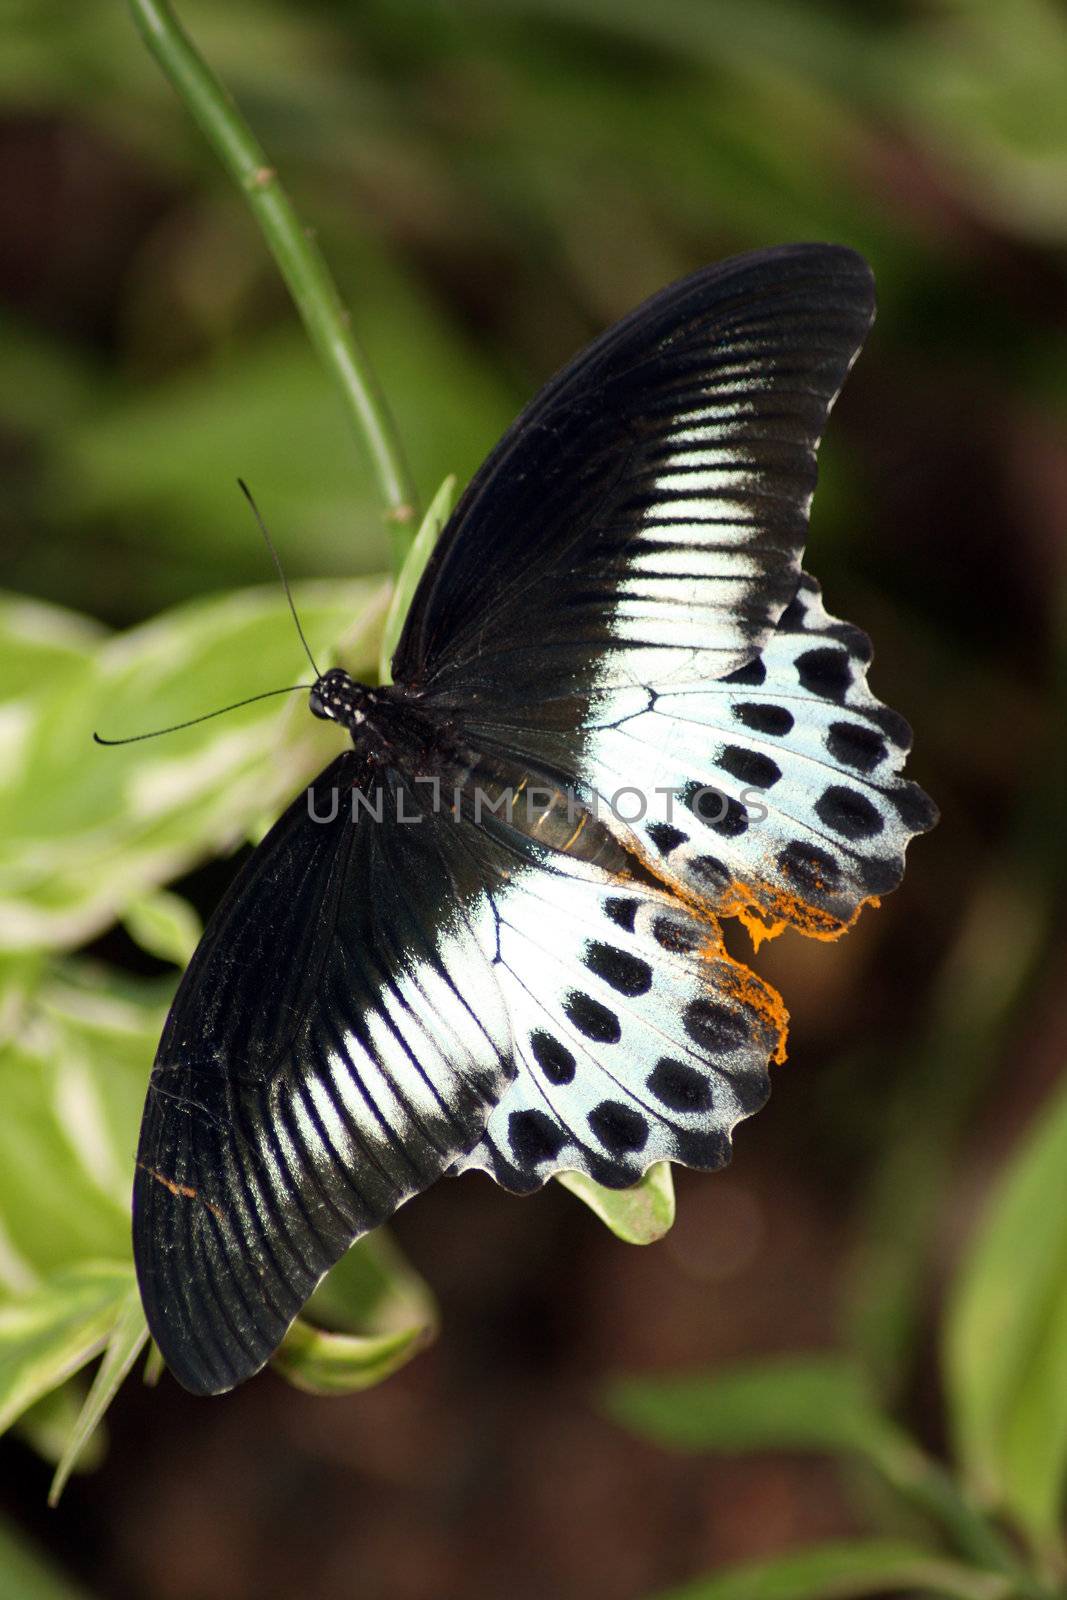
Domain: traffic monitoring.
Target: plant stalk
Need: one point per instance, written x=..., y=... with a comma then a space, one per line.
x=299, y=259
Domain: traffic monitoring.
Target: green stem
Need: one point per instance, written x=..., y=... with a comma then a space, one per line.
x=930, y=1488
x=299, y=259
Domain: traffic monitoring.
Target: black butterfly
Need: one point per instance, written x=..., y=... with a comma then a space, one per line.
x=619, y=713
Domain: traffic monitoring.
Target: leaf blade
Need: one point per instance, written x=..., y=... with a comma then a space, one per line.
x=640, y=1215
x=1004, y=1337
x=844, y=1568
x=129, y=1335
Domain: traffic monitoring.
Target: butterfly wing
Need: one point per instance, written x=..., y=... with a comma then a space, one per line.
x=637, y=1037
x=774, y=795
x=625, y=571
x=336, y=1043
x=644, y=519
x=632, y=544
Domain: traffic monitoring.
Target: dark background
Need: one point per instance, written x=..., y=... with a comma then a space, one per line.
x=494, y=183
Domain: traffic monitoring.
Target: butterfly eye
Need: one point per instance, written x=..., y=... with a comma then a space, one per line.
x=317, y=704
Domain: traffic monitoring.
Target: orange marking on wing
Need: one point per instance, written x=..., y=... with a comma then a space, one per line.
x=766, y=913
x=749, y=989
x=184, y=1190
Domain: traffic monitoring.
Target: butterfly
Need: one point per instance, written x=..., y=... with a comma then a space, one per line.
x=489, y=934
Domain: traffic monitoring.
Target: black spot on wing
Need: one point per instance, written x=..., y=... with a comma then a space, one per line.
x=825, y=672
x=674, y=935
x=552, y=1056
x=809, y=868
x=621, y=911
x=855, y=745
x=666, y=837
x=855, y=641
x=793, y=617
x=714, y=1027
x=749, y=766
x=707, y=1149
x=848, y=812
x=534, y=1137
x=724, y=815
x=620, y=1128
x=773, y=720
x=680, y=1086
x=895, y=727
x=733, y=822
x=880, y=874
x=626, y=973
x=914, y=806
x=592, y=1019
x=709, y=870
x=751, y=675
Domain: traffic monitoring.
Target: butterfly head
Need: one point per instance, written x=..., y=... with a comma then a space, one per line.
x=338, y=698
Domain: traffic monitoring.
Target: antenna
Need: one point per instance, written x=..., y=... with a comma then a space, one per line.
x=246, y=491
x=266, y=695
x=174, y=727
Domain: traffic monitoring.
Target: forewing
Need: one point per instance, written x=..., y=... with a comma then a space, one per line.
x=644, y=519
x=337, y=1042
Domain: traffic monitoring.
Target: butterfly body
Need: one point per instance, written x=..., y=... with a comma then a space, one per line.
x=489, y=935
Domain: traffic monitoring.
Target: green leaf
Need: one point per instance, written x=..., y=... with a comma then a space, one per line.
x=1006, y=1333
x=129, y=1335
x=41, y=645
x=837, y=1570
x=72, y=1083
x=165, y=925
x=28, y=1573
x=50, y=1421
x=818, y=1403
x=407, y=581
x=343, y=1363
x=154, y=1365
x=85, y=831
x=368, y=1317
x=55, y=1329
x=797, y=1403
x=640, y=1215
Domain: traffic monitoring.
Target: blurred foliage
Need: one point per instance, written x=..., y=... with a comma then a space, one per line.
x=78, y=1037
x=493, y=181
x=1007, y=1382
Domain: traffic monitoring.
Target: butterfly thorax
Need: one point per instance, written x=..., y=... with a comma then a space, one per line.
x=384, y=724
x=335, y=697
x=531, y=807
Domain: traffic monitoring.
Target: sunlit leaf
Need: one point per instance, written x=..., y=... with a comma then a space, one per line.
x=323, y=1362
x=55, y=1329
x=127, y=1339
x=87, y=830
x=40, y=645
x=165, y=925
x=48, y=1424
x=72, y=1082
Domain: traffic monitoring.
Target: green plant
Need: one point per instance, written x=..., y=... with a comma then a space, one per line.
x=989, y=1528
